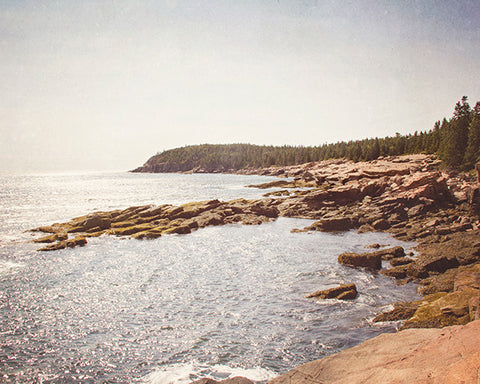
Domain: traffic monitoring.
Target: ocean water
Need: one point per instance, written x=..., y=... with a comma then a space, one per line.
x=219, y=302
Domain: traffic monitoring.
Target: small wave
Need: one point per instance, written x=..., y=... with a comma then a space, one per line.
x=188, y=372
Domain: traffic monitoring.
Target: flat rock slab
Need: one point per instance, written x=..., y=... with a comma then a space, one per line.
x=422, y=356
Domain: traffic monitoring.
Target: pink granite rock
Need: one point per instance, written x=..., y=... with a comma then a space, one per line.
x=414, y=356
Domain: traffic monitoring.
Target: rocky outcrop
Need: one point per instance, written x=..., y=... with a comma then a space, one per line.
x=342, y=292
x=409, y=356
x=150, y=222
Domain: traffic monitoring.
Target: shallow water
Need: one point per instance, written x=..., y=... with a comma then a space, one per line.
x=220, y=301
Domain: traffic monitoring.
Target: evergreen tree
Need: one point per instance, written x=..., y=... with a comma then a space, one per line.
x=472, y=154
x=454, y=136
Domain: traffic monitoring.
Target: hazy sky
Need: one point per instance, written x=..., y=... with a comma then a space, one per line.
x=105, y=84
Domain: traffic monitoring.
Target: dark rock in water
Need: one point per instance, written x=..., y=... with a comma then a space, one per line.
x=233, y=380
x=342, y=292
x=52, y=238
x=367, y=260
x=400, y=311
x=77, y=241
x=54, y=247
x=372, y=260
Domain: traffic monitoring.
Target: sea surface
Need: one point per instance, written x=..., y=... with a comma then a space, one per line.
x=220, y=302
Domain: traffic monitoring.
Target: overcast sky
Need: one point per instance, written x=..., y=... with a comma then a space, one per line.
x=102, y=85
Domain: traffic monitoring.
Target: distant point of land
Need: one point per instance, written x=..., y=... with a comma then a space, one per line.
x=456, y=142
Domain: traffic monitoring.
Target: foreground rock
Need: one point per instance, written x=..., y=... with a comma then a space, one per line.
x=440, y=356
x=342, y=292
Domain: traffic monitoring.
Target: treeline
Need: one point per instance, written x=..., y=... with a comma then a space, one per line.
x=455, y=141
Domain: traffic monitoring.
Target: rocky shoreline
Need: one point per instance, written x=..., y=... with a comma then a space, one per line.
x=407, y=196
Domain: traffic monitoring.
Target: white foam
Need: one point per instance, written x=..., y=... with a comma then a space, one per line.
x=188, y=372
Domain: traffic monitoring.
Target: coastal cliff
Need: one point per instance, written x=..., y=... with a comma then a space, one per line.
x=408, y=196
